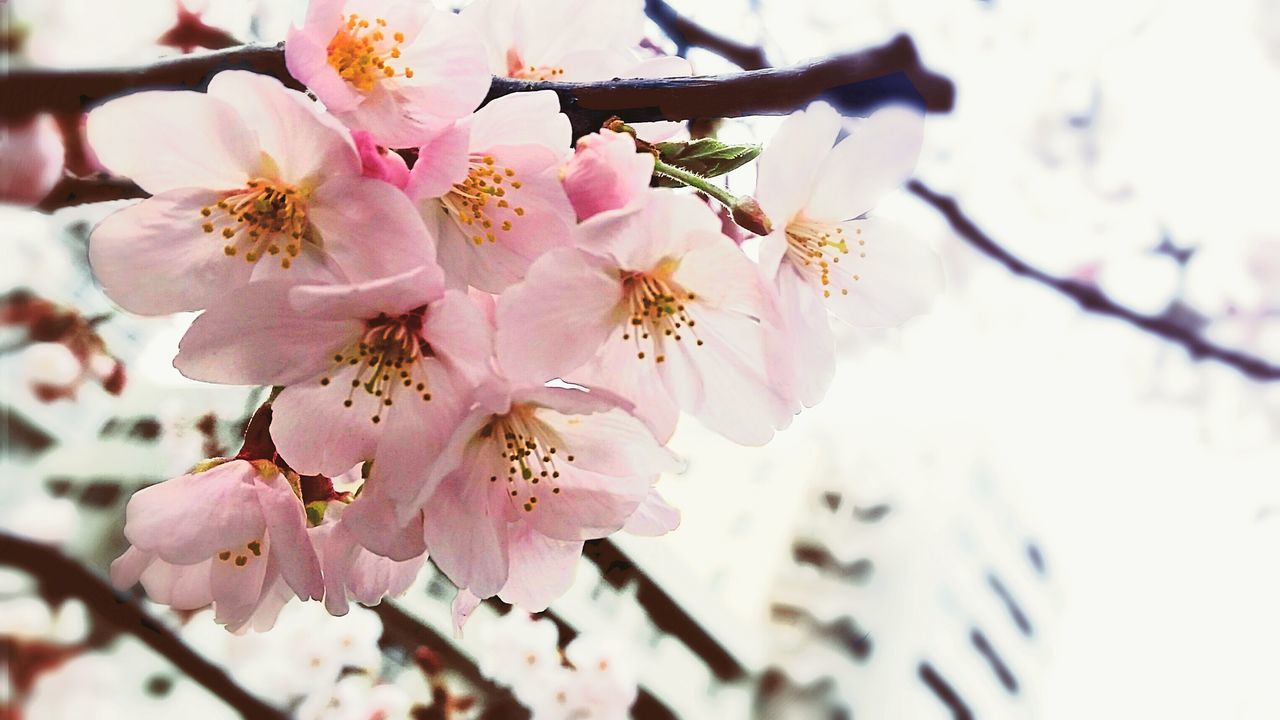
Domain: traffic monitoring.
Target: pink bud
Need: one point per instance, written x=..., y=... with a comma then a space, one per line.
x=380, y=163
x=606, y=173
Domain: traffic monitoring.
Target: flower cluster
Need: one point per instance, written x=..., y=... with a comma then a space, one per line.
x=480, y=339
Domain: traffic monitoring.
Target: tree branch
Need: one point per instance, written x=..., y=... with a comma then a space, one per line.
x=861, y=79
x=60, y=576
x=686, y=33
x=1090, y=298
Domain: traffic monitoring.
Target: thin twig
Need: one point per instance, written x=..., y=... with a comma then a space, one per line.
x=60, y=576
x=1092, y=299
x=686, y=33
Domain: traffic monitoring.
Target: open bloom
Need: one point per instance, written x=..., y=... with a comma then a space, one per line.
x=525, y=478
x=398, y=69
x=228, y=535
x=824, y=250
x=658, y=306
x=251, y=181
x=566, y=39
x=488, y=187
x=374, y=370
x=605, y=173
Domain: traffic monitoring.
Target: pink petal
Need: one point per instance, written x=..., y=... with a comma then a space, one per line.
x=193, y=517
x=287, y=523
x=201, y=141
x=787, y=169
x=878, y=155
x=464, y=603
x=303, y=141
x=807, y=340
x=371, y=521
x=450, y=72
x=252, y=338
x=558, y=317
x=344, y=209
x=392, y=295
x=589, y=504
x=531, y=118
x=237, y=587
x=127, y=569
x=442, y=161
x=306, y=55
x=653, y=517
x=618, y=370
x=465, y=528
x=316, y=433
x=31, y=159
x=542, y=568
x=460, y=335
x=612, y=442
x=160, y=239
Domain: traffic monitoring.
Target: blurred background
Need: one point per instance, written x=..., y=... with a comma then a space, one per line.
x=1011, y=507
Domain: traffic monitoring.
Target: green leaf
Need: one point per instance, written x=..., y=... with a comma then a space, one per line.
x=706, y=157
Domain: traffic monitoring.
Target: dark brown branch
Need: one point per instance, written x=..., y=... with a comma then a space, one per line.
x=686, y=33
x=1092, y=299
x=72, y=190
x=59, y=576
x=862, y=79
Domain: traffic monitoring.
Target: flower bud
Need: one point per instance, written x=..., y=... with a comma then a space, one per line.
x=748, y=214
x=606, y=173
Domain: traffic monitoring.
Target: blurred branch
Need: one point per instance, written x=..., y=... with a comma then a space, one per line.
x=867, y=77
x=686, y=33
x=74, y=190
x=60, y=576
x=1092, y=299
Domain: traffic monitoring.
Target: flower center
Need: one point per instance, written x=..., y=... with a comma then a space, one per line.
x=361, y=52
x=241, y=558
x=479, y=204
x=386, y=358
x=528, y=448
x=814, y=248
x=517, y=68
x=259, y=219
x=657, y=311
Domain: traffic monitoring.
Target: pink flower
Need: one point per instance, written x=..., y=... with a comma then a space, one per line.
x=488, y=187
x=398, y=69
x=380, y=163
x=31, y=159
x=605, y=173
x=824, y=251
x=375, y=370
x=566, y=39
x=228, y=535
x=250, y=181
x=526, y=477
x=352, y=570
x=658, y=306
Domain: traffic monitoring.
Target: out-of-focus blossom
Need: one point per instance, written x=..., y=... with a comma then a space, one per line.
x=488, y=188
x=66, y=349
x=398, y=69
x=31, y=159
x=256, y=183
x=566, y=39
x=358, y=697
x=528, y=476
x=824, y=253
x=375, y=370
x=605, y=173
x=45, y=519
x=225, y=536
x=658, y=306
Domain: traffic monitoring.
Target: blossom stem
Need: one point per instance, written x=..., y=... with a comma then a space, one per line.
x=697, y=182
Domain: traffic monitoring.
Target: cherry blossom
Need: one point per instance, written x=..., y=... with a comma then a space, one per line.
x=488, y=188
x=605, y=173
x=398, y=69
x=351, y=570
x=658, y=306
x=31, y=160
x=233, y=535
x=253, y=182
x=566, y=39
x=526, y=477
x=379, y=369
x=824, y=250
